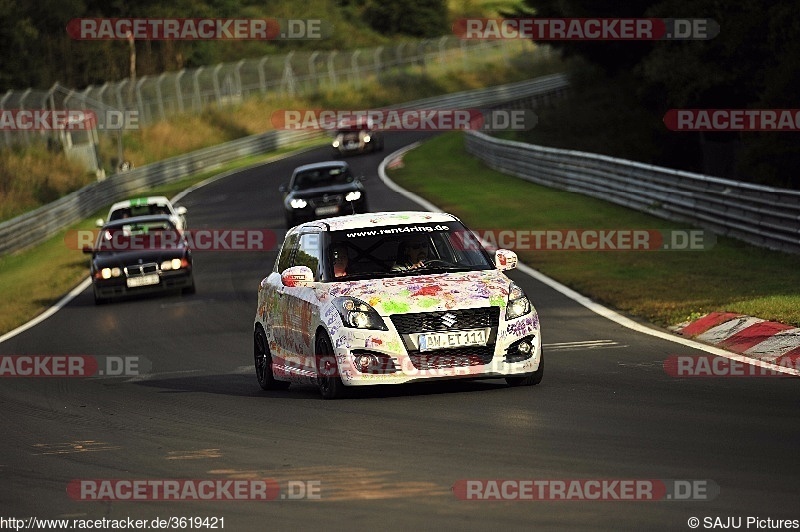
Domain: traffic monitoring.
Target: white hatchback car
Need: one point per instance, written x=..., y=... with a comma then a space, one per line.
x=147, y=206
x=392, y=298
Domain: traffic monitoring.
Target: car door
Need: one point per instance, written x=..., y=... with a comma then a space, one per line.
x=302, y=307
x=292, y=325
x=272, y=305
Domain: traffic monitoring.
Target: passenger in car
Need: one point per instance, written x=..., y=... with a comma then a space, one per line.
x=340, y=259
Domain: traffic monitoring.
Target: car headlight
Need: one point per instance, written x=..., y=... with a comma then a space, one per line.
x=357, y=314
x=173, y=264
x=518, y=303
x=367, y=138
x=353, y=196
x=298, y=203
x=108, y=273
x=336, y=143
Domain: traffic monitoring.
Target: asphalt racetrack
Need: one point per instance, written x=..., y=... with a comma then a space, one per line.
x=389, y=458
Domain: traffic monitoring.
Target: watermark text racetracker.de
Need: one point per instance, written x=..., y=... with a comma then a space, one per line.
x=407, y=119
x=67, y=120
x=587, y=29
x=197, y=29
x=732, y=119
x=586, y=489
x=714, y=366
x=81, y=366
x=195, y=239
x=262, y=489
x=588, y=239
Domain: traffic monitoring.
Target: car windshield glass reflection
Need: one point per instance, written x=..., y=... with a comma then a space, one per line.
x=138, y=237
x=322, y=177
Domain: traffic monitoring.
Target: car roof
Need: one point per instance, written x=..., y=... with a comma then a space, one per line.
x=316, y=166
x=379, y=219
x=150, y=218
x=148, y=200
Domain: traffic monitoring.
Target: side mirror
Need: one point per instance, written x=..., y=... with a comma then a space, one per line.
x=297, y=276
x=505, y=259
x=283, y=188
x=362, y=178
x=180, y=211
x=99, y=222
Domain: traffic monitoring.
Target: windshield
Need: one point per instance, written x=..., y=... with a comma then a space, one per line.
x=321, y=177
x=399, y=250
x=157, y=235
x=139, y=210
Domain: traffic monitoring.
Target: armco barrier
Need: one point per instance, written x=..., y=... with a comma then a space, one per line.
x=38, y=225
x=764, y=216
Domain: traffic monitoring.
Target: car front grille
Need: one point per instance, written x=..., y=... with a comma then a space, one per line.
x=134, y=270
x=453, y=358
x=464, y=319
x=334, y=199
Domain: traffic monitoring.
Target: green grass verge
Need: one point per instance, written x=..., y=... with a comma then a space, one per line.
x=663, y=287
x=35, y=278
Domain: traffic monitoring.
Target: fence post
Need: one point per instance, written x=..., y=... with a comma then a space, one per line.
x=376, y=59
x=237, y=77
x=354, y=68
x=159, y=96
x=101, y=92
x=398, y=54
x=312, y=68
x=120, y=103
x=262, y=76
x=140, y=100
x=442, y=55
x=6, y=133
x=22, y=106
x=197, y=95
x=178, y=91
x=217, y=89
x=331, y=68
x=288, y=75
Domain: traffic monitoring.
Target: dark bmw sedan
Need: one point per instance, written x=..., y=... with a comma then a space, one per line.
x=140, y=255
x=320, y=190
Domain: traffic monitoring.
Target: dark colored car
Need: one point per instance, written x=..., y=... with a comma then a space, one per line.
x=140, y=255
x=320, y=190
x=357, y=136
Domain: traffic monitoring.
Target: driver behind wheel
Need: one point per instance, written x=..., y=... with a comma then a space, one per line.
x=411, y=254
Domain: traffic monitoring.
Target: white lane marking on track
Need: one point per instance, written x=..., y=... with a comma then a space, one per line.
x=579, y=346
x=581, y=299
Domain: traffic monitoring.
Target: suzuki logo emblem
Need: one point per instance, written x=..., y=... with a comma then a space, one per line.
x=449, y=319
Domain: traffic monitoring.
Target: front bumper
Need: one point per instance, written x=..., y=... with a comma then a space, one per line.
x=407, y=366
x=117, y=287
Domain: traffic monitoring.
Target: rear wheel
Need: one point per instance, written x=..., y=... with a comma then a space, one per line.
x=328, y=380
x=263, y=362
x=530, y=379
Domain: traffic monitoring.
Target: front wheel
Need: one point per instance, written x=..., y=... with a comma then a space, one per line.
x=263, y=362
x=328, y=380
x=530, y=379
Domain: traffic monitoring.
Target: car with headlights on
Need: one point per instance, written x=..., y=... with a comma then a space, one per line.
x=392, y=298
x=139, y=255
x=146, y=206
x=323, y=189
x=357, y=135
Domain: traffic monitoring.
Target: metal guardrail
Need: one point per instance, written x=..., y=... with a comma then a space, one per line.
x=764, y=216
x=36, y=226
